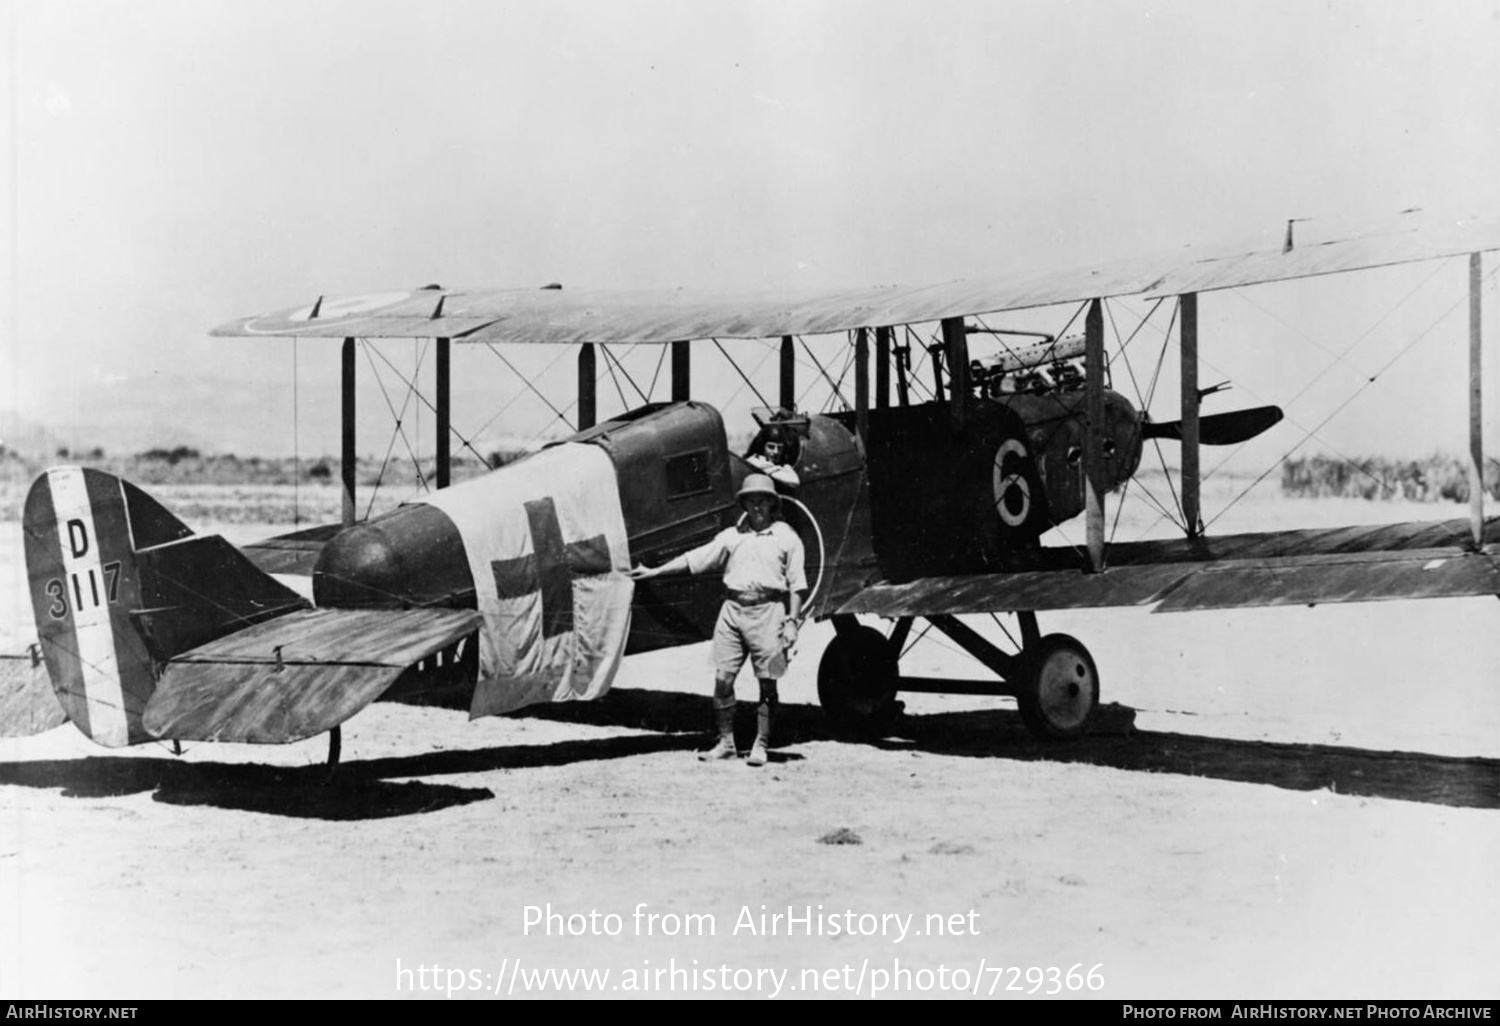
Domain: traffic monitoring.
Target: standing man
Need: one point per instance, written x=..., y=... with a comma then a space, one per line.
x=762, y=562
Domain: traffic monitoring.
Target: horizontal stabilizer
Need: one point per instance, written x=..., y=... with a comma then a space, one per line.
x=1230, y=428
x=298, y=675
x=292, y=554
x=200, y=588
x=28, y=705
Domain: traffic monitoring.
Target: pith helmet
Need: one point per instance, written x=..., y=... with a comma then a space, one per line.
x=757, y=484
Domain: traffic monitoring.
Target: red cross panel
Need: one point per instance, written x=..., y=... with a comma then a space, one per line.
x=551, y=567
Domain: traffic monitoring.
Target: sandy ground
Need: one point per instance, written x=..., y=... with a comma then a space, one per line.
x=1308, y=806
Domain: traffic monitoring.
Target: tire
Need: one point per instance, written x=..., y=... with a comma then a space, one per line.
x=857, y=682
x=1059, y=690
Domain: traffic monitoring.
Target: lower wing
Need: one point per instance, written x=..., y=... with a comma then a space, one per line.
x=1349, y=564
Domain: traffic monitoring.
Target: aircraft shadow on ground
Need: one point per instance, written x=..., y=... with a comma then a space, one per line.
x=391, y=786
x=301, y=791
x=360, y=788
x=1405, y=776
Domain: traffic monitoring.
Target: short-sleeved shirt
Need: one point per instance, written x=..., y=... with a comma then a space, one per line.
x=769, y=560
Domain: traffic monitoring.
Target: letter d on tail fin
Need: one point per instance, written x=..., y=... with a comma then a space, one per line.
x=81, y=566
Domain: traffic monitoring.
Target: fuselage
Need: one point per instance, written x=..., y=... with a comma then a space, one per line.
x=677, y=480
x=920, y=497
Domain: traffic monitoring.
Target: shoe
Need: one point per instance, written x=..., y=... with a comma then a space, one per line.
x=723, y=750
x=757, y=753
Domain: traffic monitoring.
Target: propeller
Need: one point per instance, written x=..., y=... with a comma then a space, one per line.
x=1221, y=428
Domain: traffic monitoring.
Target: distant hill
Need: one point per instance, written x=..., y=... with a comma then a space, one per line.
x=23, y=435
x=246, y=417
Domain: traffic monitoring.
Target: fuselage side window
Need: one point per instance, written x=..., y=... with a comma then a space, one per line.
x=687, y=474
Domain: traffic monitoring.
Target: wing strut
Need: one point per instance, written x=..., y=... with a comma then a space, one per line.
x=788, y=375
x=882, y=368
x=346, y=454
x=1192, y=513
x=1093, y=437
x=862, y=386
x=587, y=395
x=1476, y=403
x=956, y=350
x=903, y=365
x=682, y=388
x=444, y=414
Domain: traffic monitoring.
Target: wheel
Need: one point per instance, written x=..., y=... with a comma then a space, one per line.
x=857, y=681
x=1016, y=488
x=1060, y=688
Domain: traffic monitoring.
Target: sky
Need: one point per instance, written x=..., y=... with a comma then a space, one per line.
x=174, y=165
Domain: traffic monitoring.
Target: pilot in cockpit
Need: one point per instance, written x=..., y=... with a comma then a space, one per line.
x=772, y=453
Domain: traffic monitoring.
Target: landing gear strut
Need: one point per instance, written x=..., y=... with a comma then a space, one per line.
x=1053, y=678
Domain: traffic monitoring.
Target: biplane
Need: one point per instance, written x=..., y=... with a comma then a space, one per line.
x=511, y=588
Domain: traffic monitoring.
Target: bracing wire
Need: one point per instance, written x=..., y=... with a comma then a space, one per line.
x=822, y=371
x=562, y=351
x=1421, y=337
x=426, y=402
x=398, y=430
x=743, y=377
x=1130, y=371
x=753, y=371
x=621, y=366
x=526, y=380
x=614, y=380
x=661, y=359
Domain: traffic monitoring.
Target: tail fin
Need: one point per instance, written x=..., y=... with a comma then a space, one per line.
x=119, y=586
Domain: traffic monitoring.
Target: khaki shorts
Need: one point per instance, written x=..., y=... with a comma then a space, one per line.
x=754, y=631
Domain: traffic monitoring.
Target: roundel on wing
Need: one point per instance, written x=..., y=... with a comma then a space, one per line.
x=331, y=308
x=1012, y=490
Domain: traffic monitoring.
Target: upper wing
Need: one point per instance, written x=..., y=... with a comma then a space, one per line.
x=671, y=315
x=1348, y=564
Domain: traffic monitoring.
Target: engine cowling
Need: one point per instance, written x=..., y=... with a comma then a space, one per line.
x=1055, y=423
x=969, y=501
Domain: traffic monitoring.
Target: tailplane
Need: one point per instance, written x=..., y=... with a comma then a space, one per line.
x=119, y=586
